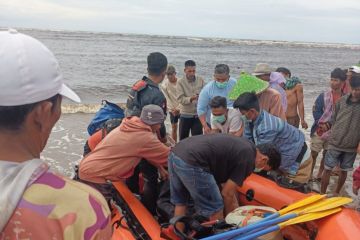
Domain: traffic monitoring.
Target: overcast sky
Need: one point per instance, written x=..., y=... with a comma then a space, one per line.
x=292, y=20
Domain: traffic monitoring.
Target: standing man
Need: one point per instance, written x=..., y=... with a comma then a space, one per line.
x=187, y=91
x=223, y=119
x=220, y=86
x=36, y=203
x=276, y=81
x=323, y=110
x=262, y=127
x=168, y=87
x=344, y=140
x=210, y=161
x=295, y=99
x=144, y=92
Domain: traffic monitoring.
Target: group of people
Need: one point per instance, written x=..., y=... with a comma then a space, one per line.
x=230, y=139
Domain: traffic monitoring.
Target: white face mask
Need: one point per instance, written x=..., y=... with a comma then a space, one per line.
x=258, y=169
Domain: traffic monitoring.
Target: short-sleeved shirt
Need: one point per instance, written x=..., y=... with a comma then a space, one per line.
x=232, y=124
x=223, y=155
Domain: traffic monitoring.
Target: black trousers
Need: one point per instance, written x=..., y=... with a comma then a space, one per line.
x=150, y=192
x=189, y=124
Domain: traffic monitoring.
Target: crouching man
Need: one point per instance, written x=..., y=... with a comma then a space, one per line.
x=117, y=155
x=198, y=165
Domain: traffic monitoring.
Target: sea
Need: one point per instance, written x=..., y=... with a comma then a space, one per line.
x=99, y=65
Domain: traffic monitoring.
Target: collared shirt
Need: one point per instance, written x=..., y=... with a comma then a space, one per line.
x=208, y=92
x=345, y=132
x=270, y=129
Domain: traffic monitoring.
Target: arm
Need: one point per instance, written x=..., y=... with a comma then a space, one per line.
x=202, y=106
x=238, y=133
x=155, y=152
x=228, y=192
x=300, y=105
x=236, y=125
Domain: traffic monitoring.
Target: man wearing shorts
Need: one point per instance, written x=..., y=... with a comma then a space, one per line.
x=322, y=111
x=198, y=165
x=344, y=139
x=168, y=87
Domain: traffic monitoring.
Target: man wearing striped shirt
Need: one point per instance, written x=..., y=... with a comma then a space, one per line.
x=262, y=127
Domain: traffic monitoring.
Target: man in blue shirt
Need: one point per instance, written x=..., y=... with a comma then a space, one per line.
x=220, y=86
x=262, y=127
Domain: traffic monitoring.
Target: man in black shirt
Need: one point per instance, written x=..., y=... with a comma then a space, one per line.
x=198, y=165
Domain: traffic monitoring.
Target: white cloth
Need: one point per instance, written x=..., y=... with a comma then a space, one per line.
x=14, y=179
x=232, y=124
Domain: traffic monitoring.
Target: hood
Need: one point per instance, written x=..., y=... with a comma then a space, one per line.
x=134, y=124
x=277, y=78
x=15, y=177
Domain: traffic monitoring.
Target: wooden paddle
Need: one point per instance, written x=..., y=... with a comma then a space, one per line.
x=300, y=219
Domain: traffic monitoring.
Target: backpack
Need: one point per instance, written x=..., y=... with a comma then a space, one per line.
x=108, y=111
x=100, y=134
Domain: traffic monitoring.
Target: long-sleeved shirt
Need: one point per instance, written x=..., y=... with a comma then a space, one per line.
x=169, y=90
x=208, y=92
x=117, y=155
x=270, y=129
x=345, y=131
x=185, y=89
x=270, y=101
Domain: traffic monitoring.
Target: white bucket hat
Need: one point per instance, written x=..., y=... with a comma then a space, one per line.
x=29, y=72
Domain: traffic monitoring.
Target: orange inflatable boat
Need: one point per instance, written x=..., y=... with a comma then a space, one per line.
x=131, y=220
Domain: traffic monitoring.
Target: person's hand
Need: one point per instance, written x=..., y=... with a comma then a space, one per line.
x=176, y=112
x=304, y=124
x=355, y=190
x=164, y=174
x=207, y=130
x=193, y=98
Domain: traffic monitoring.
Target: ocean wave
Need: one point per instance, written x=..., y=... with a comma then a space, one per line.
x=253, y=42
x=83, y=108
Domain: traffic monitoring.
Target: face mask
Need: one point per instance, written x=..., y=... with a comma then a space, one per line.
x=221, y=84
x=245, y=119
x=219, y=119
x=258, y=169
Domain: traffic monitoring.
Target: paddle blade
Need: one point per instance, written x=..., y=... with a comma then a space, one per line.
x=301, y=219
x=301, y=203
x=310, y=217
x=325, y=204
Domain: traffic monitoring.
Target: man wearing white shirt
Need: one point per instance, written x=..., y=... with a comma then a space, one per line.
x=223, y=119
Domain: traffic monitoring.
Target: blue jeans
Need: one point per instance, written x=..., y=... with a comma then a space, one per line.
x=187, y=180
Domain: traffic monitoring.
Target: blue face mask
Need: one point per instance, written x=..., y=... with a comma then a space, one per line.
x=221, y=84
x=219, y=119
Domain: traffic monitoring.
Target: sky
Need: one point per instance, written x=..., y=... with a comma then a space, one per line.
x=289, y=20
